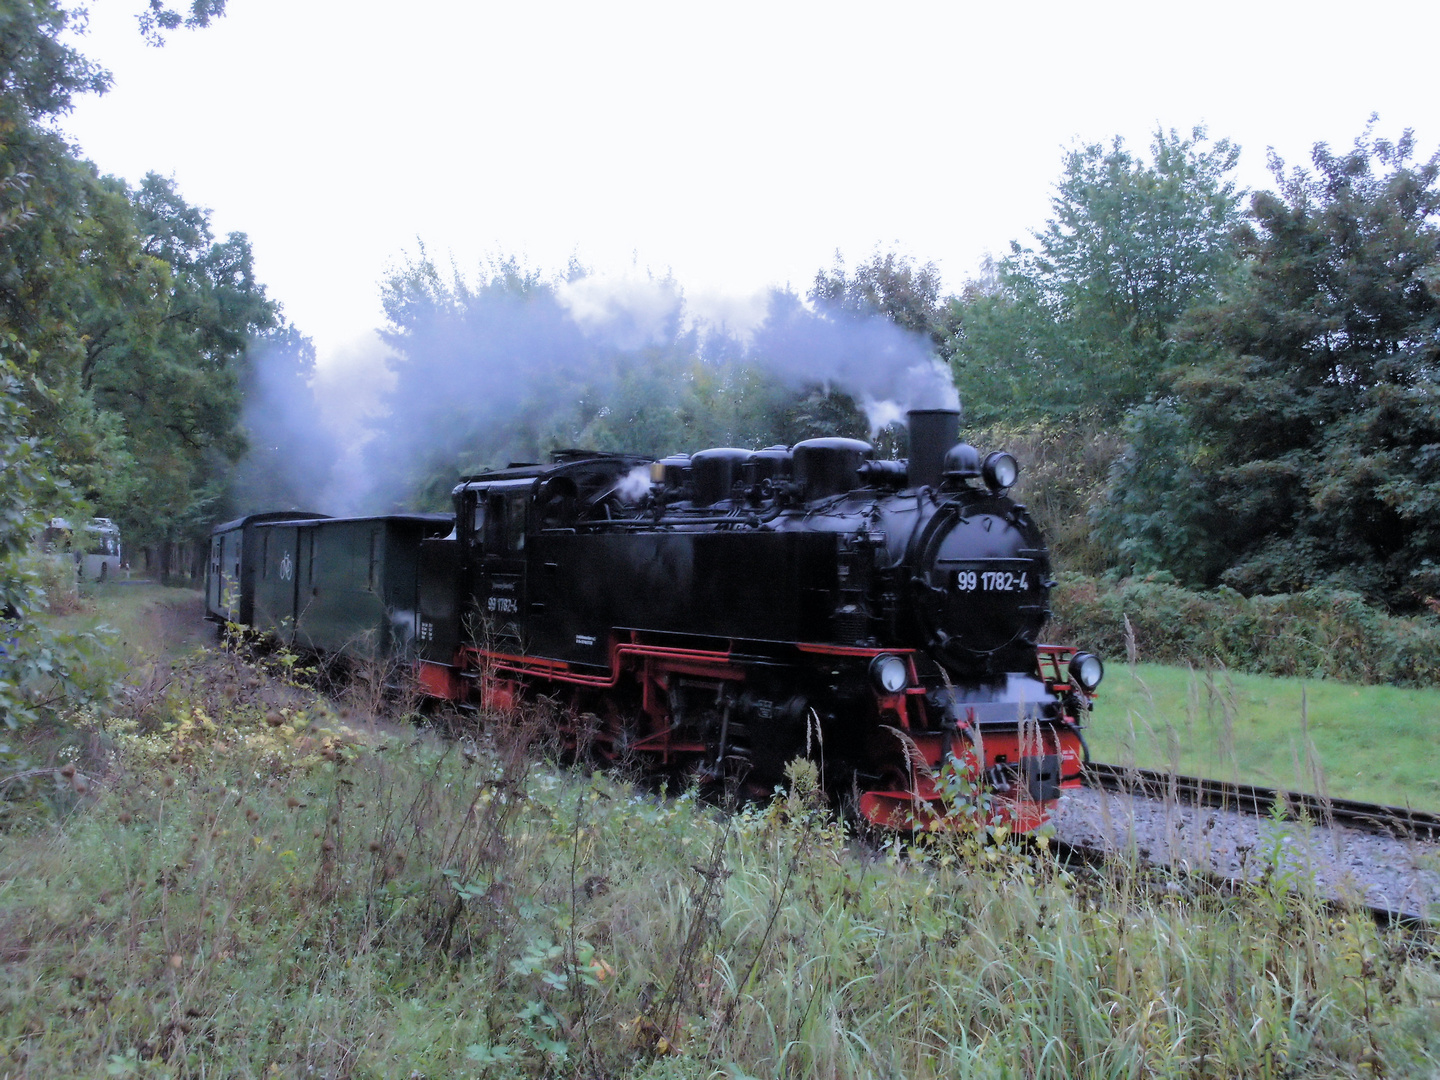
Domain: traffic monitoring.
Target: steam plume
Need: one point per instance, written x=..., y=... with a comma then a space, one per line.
x=480, y=374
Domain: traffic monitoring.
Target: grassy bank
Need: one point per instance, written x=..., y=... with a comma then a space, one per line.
x=150, y=621
x=1375, y=743
x=241, y=881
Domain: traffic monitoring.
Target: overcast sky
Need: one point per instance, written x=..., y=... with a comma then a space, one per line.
x=735, y=144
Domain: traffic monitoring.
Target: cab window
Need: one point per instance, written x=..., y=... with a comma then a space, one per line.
x=505, y=523
x=515, y=506
x=475, y=513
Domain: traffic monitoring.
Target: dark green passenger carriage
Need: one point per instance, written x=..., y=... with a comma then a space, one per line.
x=234, y=558
x=341, y=585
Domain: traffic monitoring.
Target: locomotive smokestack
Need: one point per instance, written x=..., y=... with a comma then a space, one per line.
x=932, y=433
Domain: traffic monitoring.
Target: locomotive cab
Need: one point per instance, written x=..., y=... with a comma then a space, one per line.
x=497, y=522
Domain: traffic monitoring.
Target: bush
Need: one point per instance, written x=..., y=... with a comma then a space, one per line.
x=1320, y=633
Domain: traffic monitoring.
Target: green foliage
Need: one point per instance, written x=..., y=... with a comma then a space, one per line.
x=1064, y=464
x=889, y=284
x=1157, y=512
x=40, y=73
x=1315, y=403
x=1318, y=633
x=160, y=18
x=129, y=321
x=1083, y=323
x=168, y=315
x=1133, y=244
x=43, y=672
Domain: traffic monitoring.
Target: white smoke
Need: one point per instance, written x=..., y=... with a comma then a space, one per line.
x=887, y=369
x=474, y=372
x=630, y=312
x=881, y=414
x=634, y=485
x=352, y=389
x=924, y=385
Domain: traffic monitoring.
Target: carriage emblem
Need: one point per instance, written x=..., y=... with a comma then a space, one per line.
x=286, y=567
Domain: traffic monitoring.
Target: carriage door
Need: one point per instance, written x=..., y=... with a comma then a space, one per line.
x=500, y=595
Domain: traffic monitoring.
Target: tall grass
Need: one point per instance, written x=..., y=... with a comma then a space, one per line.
x=241, y=897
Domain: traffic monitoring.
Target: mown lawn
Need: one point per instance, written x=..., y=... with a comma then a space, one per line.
x=1376, y=743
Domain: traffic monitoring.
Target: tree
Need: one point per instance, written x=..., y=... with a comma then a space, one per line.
x=40, y=669
x=1318, y=409
x=159, y=18
x=1157, y=513
x=42, y=186
x=1084, y=321
x=167, y=315
x=128, y=322
x=890, y=285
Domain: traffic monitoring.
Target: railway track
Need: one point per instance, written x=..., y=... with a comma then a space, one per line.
x=1395, y=823
x=1398, y=822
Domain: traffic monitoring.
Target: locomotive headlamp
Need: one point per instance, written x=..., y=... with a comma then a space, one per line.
x=1087, y=670
x=1000, y=471
x=890, y=673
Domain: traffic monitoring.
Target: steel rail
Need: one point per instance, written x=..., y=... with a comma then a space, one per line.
x=1396, y=821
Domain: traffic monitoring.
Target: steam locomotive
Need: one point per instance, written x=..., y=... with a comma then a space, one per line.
x=719, y=613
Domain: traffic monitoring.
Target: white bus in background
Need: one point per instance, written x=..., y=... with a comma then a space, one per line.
x=101, y=556
x=97, y=551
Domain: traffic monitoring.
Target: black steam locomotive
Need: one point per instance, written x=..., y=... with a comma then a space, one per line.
x=719, y=613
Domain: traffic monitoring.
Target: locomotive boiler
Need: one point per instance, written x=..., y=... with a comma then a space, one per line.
x=721, y=613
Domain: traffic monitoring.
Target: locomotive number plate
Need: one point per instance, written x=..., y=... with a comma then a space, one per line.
x=991, y=581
